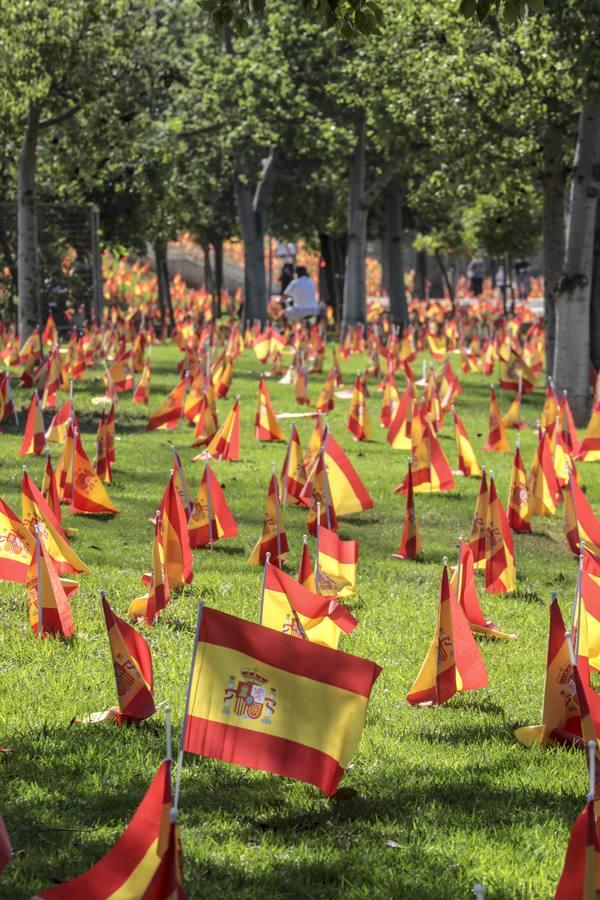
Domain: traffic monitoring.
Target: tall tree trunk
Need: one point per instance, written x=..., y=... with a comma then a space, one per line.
x=572, y=349
x=554, y=183
x=436, y=287
x=218, y=245
x=595, y=303
x=327, y=279
x=448, y=281
x=162, y=277
x=355, y=299
x=27, y=259
x=420, y=285
x=252, y=213
x=209, y=282
x=394, y=256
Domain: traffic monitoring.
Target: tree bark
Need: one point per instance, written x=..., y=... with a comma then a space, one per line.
x=164, y=286
x=420, y=285
x=27, y=257
x=595, y=303
x=252, y=212
x=394, y=257
x=436, y=287
x=572, y=348
x=554, y=184
x=218, y=245
x=355, y=300
x=448, y=281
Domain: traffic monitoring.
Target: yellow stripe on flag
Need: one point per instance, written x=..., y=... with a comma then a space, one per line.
x=278, y=615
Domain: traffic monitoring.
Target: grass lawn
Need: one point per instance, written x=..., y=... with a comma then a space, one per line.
x=444, y=797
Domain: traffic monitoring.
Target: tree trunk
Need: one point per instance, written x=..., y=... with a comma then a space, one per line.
x=27, y=259
x=448, y=281
x=355, y=299
x=218, y=245
x=162, y=278
x=394, y=258
x=572, y=348
x=209, y=282
x=420, y=285
x=436, y=287
x=595, y=303
x=327, y=279
x=554, y=183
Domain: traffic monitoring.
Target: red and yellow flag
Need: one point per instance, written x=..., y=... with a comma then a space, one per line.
x=57, y=430
x=337, y=564
x=518, y=498
x=292, y=609
x=132, y=662
x=101, y=460
x=49, y=609
x=550, y=409
x=34, y=439
x=347, y=492
x=467, y=461
x=410, y=545
x=36, y=511
x=141, y=395
x=273, y=539
x=325, y=401
x=359, y=423
x=580, y=522
x=175, y=537
x=259, y=699
x=430, y=469
x=50, y=490
x=453, y=662
x=306, y=576
x=567, y=427
x=226, y=442
x=500, y=571
x=159, y=594
x=590, y=446
x=301, y=388
x=211, y=519
x=144, y=864
x=16, y=546
x=88, y=494
x=580, y=877
x=478, y=529
x=206, y=425
x=293, y=472
x=513, y=419
x=266, y=426
x=542, y=486
x=497, y=441
x=317, y=491
x=170, y=411
x=465, y=588
x=391, y=401
x=399, y=436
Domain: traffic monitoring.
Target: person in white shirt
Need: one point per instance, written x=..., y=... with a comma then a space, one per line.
x=301, y=297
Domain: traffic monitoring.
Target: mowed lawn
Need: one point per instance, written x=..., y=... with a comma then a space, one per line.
x=444, y=798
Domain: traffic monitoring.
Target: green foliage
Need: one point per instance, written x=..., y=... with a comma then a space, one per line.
x=512, y=10
x=351, y=17
x=507, y=222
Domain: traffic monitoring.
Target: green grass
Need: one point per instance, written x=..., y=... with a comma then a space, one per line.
x=445, y=797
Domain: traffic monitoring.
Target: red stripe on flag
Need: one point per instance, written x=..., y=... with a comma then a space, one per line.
x=331, y=545
x=262, y=751
x=333, y=449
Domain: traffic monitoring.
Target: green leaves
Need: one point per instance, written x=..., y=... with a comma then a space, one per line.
x=352, y=17
x=513, y=10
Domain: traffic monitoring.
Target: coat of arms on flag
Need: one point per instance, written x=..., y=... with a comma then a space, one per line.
x=250, y=697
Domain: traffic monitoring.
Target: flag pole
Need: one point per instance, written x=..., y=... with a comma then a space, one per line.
x=325, y=482
x=38, y=551
x=169, y=753
x=459, y=569
x=181, y=477
x=208, y=506
x=277, y=516
x=318, y=546
x=262, y=590
x=72, y=505
x=175, y=807
x=287, y=466
x=578, y=597
x=592, y=791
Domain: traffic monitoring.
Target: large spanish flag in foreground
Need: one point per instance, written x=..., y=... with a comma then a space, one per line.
x=292, y=609
x=580, y=878
x=270, y=702
x=145, y=862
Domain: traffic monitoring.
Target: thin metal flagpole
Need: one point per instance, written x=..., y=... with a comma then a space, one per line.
x=72, y=505
x=318, y=546
x=175, y=807
x=325, y=479
x=459, y=569
x=592, y=791
x=277, y=516
x=209, y=506
x=38, y=553
x=287, y=467
x=181, y=478
x=576, y=612
x=262, y=590
x=169, y=748
x=71, y=396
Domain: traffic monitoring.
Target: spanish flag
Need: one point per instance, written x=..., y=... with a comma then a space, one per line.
x=465, y=588
x=497, y=441
x=273, y=539
x=515, y=374
x=359, y=423
x=49, y=609
x=101, y=461
x=348, y=493
x=262, y=345
x=301, y=388
x=292, y=609
x=430, y=469
x=453, y=662
x=226, y=442
x=500, y=572
x=337, y=563
x=518, y=498
x=262, y=700
x=449, y=387
x=175, y=537
x=589, y=642
x=293, y=472
x=36, y=511
x=467, y=461
x=221, y=378
x=410, y=545
x=141, y=395
x=317, y=491
x=211, y=519
x=181, y=486
x=580, y=877
x=132, y=662
x=57, y=430
x=206, y=425
x=88, y=494
x=170, y=411
x=158, y=595
x=580, y=522
x=399, y=436
x=513, y=419
x=325, y=401
x=34, y=439
x=109, y=433
x=567, y=427
x=119, y=377
x=306, y=575
x=144, y=864
x=266, y=426
x=391, y=400
x=315, y=442
x=590, y=446
x=55, y=380
x=478, y=529
x=16, y=546
x=550, y=409
x=542, y=486
x=50, y=490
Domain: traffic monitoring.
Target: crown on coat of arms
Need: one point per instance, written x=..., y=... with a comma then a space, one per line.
x=253, y=675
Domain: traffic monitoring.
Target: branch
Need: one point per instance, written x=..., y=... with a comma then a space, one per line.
x=61, y=117
x=199, y=132
x=375, y=188
x=266, y=183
